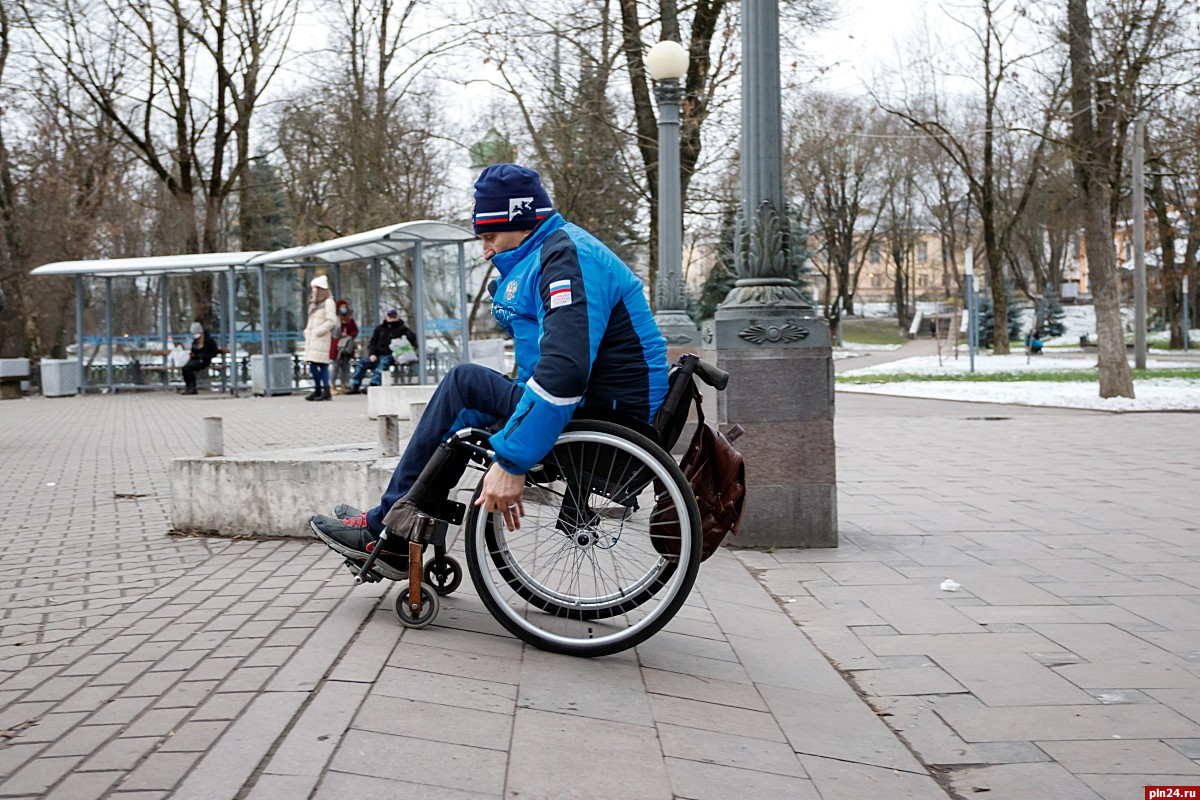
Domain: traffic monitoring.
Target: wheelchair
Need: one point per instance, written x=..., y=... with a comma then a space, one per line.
x=609, y=546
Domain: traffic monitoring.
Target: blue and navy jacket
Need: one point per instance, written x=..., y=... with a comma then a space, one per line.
x=583, y=336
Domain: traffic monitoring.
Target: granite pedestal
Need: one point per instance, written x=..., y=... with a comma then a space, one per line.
x=781, y=391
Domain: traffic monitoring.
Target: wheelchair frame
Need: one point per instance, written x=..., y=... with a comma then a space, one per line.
x=578, y=530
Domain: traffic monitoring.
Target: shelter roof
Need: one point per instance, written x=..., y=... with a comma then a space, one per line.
x=150, y=265
x=379, y=243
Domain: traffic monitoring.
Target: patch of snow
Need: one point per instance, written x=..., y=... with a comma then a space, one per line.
x=1156, y=394
x=868, y=347
x=987, y=363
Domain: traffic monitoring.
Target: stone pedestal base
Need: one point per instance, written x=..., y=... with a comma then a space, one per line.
x=781, y=391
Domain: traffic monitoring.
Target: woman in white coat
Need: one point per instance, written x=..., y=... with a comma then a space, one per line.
x=322, y=319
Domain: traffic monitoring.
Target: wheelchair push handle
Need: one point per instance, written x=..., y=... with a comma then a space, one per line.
x=712, y=375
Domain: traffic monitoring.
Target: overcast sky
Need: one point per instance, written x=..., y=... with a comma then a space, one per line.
x=870, y=36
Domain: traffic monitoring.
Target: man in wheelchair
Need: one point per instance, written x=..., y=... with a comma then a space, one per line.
x=584, y=339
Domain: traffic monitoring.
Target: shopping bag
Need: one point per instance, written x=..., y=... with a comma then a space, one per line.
x=403, y=352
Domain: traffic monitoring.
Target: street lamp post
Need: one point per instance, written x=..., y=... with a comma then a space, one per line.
x=765, y=333
x=667, y=62
x=972, y=317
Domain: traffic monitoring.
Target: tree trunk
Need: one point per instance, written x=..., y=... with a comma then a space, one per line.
x=1089, y=148
x=1171, y=294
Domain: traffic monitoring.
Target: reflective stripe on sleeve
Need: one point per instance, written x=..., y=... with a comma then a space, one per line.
x=549, y=398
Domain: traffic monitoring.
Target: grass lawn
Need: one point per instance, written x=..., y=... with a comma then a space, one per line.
x=863, y=330
x=1056, y=376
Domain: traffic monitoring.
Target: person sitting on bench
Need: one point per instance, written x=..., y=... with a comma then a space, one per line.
x=379, y=351
x=584, y=336
x=204, y=350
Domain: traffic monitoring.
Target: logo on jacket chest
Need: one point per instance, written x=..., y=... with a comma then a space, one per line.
x=510, y=291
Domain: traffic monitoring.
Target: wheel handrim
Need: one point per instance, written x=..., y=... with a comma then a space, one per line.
x=670, y=572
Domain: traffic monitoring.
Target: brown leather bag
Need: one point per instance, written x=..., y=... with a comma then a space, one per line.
x=717, y=474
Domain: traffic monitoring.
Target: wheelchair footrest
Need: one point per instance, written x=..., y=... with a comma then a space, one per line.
x=370, y=576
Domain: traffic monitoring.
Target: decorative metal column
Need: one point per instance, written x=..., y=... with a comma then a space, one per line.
x=762, y=245
x=765, y=334
x=667, y=62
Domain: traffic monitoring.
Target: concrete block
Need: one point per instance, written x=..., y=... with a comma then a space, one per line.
x=14, y=367
x=397, y=399
x=274, y=493
x=13, y=372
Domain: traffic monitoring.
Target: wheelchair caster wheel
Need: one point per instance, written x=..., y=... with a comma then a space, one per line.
x=444, y=575
x=429, y=606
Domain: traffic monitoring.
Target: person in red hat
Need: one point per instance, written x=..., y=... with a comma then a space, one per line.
x=341, y=349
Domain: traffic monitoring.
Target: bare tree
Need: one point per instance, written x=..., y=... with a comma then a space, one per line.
x=835, y=153
x=1104, y=98
x=950, y=211
x=1174, y=195
x=899, y=223
x=67, y=191
x=1043, y=239
x=180, y=80
x=997, y=76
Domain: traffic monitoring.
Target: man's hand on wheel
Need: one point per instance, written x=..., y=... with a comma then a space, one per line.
x=502, y=492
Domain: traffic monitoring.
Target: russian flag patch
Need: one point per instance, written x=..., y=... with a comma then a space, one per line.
x=560, y=293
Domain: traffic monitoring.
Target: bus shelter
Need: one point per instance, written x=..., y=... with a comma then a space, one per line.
x=418, y=268
x=136, y=335
x=259, y=302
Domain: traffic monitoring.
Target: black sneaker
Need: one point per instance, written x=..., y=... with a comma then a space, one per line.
x=352, y=538
x=346, y=511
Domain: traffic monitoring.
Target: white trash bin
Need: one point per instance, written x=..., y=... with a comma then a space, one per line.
x=60, y=377
x=281, y=374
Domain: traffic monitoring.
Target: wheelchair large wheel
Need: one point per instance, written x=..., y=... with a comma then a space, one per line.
x=586, y=572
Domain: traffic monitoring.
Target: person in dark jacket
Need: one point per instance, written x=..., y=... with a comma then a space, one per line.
x=204, y=350
x=583, y=336
x=379, y=350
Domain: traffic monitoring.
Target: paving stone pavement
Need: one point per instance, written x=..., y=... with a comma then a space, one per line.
x=137, y=665
x=1068, y=663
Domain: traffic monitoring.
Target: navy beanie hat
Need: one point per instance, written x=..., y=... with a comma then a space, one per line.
x=509, y=198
